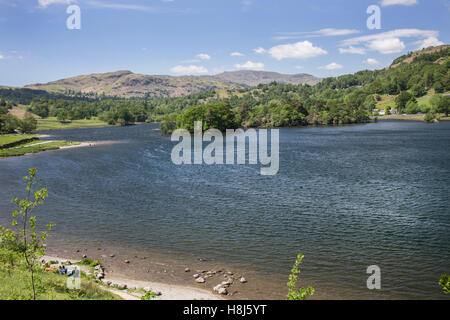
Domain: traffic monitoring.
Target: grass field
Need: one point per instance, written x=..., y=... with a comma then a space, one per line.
x=53, y=124
x=15, y=283
x=11, y=138
x=388, y=100
x=34, y=147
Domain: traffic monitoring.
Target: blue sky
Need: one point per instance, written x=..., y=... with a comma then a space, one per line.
x=178, y=37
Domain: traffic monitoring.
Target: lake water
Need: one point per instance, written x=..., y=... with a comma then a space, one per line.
x=346, y=197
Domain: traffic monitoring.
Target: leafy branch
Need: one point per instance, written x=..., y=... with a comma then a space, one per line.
x=300, y=293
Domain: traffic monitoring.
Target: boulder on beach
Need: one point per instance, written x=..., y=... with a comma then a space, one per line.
x=220, y=289
x=200, y=280
x=223, y=291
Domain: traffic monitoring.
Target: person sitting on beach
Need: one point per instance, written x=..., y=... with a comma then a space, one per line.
x=63, y=270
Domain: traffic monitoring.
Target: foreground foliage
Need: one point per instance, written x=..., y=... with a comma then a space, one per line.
x=15, y=282
x=294, y=292
x=21, y=273
x=445, y=283
x=24, y=237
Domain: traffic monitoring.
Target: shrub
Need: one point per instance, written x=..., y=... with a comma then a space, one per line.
x=445, y=283
x=294, y=293
x=429, y=117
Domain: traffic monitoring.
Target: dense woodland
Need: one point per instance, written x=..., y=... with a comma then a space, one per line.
x=341, y=100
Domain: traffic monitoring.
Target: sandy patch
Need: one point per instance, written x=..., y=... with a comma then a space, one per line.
x=91, y=144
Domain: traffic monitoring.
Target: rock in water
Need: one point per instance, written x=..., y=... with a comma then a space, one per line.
x=243, y=280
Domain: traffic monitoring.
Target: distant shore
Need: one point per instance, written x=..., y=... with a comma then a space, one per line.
x=415, y=117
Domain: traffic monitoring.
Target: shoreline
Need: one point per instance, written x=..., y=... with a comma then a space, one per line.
x=175, y=280
x=170, y=269
x=164, y=291
x=70, y=145
x=408, y=117
x=89, y=144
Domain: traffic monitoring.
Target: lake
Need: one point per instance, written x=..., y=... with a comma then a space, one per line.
x=346, y=197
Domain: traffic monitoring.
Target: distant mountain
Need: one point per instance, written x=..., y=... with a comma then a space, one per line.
x=251, y=78
x=129, y=85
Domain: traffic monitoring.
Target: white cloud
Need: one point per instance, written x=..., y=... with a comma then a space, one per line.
x=45, y=3
x=387, y=46
x=398, y=33
x=299, y=50
x=203, y=56
x=298, y=67
x=237, y=54
x=331, y=66
x=327, y=32
x=189, y=69
x=118, y=6
x=259, y=50
x=335, y=32
x=429, y=42
x=372, y=62
x=249, y=65
x=352, y=50
x=386, y=3
x=2, y=57
x=190, y=61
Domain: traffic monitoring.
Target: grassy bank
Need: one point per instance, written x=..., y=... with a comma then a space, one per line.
x=52, y=123
x=28, y=147
x=16, y=285
x=6, y=139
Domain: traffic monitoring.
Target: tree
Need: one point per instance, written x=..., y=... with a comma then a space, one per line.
x=441, y=104
x=25, y=238
x=418, y=90
x=9, y=123
x=28, y=124
x=412, y=107
x=402, y=99
x=387, y=111
x=62, y=116
x=294, y=293
x=125, y=117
